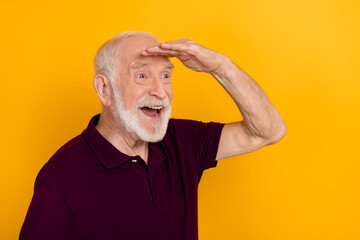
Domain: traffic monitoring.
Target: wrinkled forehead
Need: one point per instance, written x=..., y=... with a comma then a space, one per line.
x=130, y=51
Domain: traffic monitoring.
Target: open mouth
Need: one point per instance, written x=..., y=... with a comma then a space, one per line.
x=151, y=111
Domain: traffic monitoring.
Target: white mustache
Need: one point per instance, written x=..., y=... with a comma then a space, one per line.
x=147, y=100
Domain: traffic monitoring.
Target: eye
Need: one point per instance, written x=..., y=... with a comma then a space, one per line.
x=165, y=75
x=140, y=76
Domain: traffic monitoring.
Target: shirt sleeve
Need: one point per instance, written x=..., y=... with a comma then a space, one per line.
x=49, y=216
x=206, y=141
x=197, y=141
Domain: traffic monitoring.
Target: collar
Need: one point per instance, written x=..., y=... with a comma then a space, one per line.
x=110, y=156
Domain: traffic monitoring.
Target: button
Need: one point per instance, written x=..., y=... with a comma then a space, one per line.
x=134, y=161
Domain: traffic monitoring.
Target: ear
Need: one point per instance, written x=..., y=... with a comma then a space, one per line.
x=103, y=88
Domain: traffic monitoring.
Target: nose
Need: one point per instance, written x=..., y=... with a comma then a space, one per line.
x=158, y=88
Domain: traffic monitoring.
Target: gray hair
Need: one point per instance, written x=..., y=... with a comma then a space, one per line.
x=105, y=61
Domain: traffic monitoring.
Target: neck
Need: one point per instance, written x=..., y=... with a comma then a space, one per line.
x=126, y=142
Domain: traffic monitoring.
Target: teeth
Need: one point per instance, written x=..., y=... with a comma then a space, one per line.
x=157, y=108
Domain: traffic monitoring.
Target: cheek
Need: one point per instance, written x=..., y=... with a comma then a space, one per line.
x=170, y=92
x=128, y=101
x=131, y=96
x=130, y=106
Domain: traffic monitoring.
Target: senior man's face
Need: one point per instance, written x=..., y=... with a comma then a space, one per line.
x=143, y=90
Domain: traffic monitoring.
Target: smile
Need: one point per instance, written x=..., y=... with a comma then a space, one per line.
x=151, y=111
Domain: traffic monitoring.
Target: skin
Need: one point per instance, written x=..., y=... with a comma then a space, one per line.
x=138, y=75
x=261, y=125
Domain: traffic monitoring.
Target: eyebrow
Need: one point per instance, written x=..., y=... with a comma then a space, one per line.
x=142, y=64
x=169, y=65
x=139, y=65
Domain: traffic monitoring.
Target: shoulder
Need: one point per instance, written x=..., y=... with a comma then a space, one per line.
x=191, y=131
x=65, y=160
x=186, y=126
x=181, y=127
x=73, y=146
x=176, y=123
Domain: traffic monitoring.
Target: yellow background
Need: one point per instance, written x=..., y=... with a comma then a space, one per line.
x=304, y=53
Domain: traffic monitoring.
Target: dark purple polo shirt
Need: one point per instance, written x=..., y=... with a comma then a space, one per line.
x=90, y=190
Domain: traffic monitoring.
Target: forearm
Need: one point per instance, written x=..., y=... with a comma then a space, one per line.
x=261, y=119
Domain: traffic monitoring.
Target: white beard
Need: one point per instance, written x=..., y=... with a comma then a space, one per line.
x=130, y=119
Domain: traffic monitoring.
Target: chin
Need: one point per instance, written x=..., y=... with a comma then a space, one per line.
x=153, y=130
x=156, y=134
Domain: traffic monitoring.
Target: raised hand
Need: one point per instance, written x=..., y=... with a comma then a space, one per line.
x=190, y=53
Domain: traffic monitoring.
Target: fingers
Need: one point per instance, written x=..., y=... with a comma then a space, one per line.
x=157, y=51
x=165, y=50
x=174, y=46
x=182, y=47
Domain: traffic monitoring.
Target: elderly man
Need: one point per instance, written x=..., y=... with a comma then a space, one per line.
x=133, y=173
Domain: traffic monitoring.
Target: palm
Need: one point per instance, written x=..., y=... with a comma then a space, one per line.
x=191, y=54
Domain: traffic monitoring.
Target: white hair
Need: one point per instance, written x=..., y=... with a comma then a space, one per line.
x=105, y=61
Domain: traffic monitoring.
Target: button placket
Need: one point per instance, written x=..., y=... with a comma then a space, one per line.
x=147, y=178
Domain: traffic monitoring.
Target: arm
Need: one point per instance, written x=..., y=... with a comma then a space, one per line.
x=262, y=124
